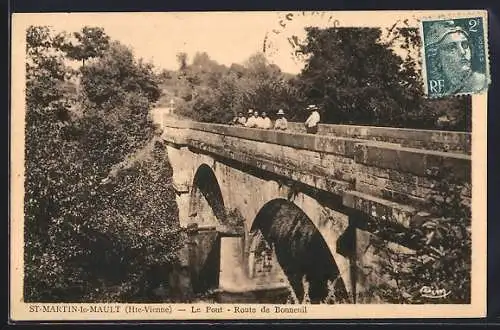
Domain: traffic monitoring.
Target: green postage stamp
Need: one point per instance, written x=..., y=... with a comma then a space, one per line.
x=455, y=55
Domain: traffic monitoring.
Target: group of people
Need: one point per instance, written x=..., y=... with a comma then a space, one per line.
x=264, y=122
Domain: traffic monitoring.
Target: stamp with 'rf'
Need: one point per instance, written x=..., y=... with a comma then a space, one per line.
x=455, y=58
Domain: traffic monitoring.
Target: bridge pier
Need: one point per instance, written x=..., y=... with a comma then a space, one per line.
x=233, y=277
x=182, y=198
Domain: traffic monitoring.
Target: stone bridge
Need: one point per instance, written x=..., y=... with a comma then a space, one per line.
x=289, y=209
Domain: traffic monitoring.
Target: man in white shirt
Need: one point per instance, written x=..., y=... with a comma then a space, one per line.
x=312, y=122
x=259, y=121
x=281, y=122
x=253, y=120
x=264, y=121
x=242, y=120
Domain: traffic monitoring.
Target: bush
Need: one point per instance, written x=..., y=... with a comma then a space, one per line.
x=133, y=234
x=443, y=252
x=100, y=214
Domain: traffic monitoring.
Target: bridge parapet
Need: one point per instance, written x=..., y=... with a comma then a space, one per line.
x=445, y=141
x=459, y=142
x=384, y=179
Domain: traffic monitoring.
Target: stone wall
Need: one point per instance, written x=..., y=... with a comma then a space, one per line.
x=204, y=256
x=384, y=180
x=447, y=141
x=414, y=138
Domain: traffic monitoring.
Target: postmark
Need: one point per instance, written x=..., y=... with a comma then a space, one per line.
x=288, y=34
x=455, y=57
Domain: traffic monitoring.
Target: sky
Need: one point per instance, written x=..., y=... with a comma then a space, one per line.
x=228, y=37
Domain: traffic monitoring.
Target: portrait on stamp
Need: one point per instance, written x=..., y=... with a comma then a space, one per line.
x=455, y=57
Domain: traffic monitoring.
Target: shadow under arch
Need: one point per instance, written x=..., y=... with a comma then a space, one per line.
x=206, y=187
x=207, y=211
x=300, y=250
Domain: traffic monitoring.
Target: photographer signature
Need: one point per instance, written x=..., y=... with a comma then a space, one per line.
x=428, y=292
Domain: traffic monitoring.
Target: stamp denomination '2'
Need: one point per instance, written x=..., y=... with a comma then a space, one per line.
x=455, y=56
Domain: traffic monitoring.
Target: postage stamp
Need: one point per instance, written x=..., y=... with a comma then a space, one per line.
x=455, y=56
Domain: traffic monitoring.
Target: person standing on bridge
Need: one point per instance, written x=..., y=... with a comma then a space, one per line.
x=264, y=121
x=253, y=120
x=241, y=121
x=259, y=121
x=235, y=119
x=281, y=123
x=313, y=120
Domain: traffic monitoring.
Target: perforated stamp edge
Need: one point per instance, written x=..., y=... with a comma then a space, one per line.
x=450, y=16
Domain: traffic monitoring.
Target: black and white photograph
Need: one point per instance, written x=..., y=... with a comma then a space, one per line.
x=241, y=165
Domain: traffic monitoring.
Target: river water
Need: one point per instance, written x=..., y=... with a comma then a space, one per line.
x=268, y=296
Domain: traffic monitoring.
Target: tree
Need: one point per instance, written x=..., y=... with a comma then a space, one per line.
x=52, y=166
x=117, y=73
x=182, y=59
x=238, y=69
x=357, y=78
x=351, y=75
x=259, y=68
x=100, y=213
x=221, y=92
x=92, y=42
x=135, y=212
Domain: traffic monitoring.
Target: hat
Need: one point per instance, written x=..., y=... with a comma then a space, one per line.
x=312, y=107
x=438, y=30
x=281, y=112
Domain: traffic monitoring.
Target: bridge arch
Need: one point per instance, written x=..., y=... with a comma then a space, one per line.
x=207, y=212
x=206, y=205
x=300, y=250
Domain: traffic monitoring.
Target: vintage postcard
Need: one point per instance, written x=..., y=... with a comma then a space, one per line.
x=248, y=165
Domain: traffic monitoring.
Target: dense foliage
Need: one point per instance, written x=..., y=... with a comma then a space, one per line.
x=210, y=92
x=100, y=213
x=354, y=74
x=443, y=249
x=91, y=42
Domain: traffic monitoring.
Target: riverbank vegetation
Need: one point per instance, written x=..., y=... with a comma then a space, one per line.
x=100, y=213
x=439, y=267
